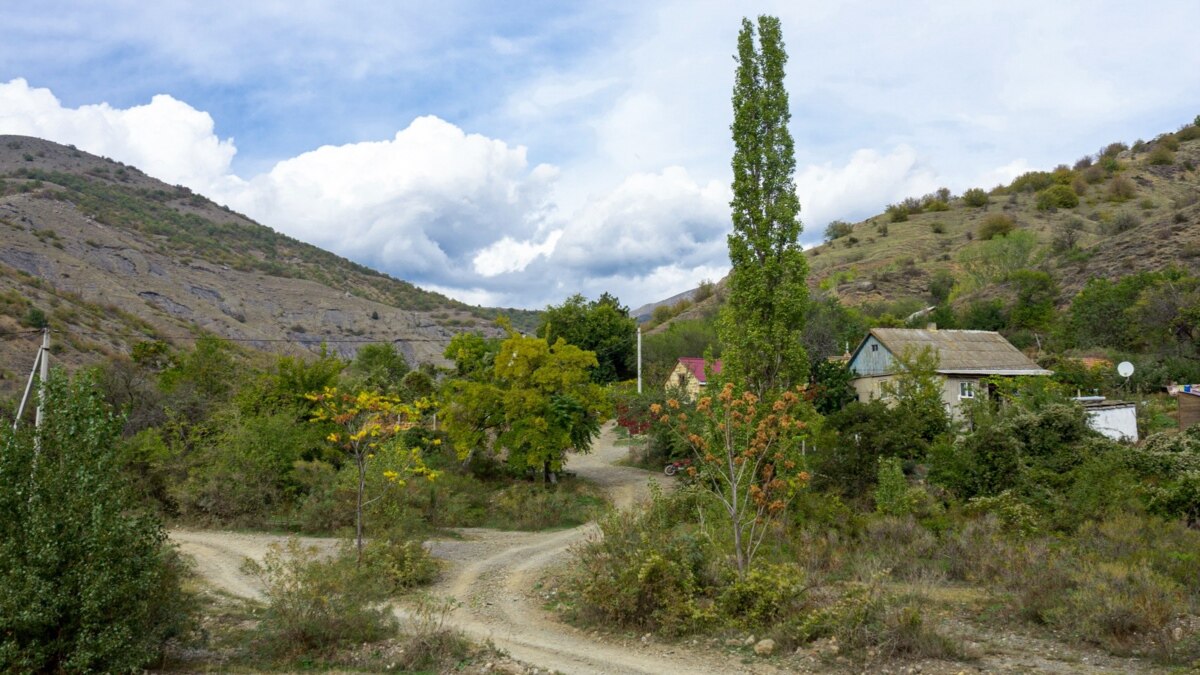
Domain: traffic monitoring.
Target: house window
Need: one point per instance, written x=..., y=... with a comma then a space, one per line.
x=874, y=348
x=683, y=380
x=966, y=390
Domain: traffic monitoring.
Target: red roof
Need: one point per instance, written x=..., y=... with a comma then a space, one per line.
x=696, y=366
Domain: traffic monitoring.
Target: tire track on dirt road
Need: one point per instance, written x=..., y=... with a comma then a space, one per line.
x=493, y=575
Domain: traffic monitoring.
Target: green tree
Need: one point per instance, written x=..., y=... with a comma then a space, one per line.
x=1033, y=307
x=917, y=393
x=536, y=403
x=379, y=368
x=602, y=326
x=760, y=325
x=87, y=580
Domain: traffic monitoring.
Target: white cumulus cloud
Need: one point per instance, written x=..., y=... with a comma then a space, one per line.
x=862, y=186
x=167, y=138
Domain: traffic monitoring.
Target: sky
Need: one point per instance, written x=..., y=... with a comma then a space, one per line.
x=513, y=154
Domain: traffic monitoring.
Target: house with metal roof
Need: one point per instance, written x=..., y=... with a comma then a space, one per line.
x=964, y=358
x=689, y=375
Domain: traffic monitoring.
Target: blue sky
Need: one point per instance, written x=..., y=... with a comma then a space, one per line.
x=515, y=153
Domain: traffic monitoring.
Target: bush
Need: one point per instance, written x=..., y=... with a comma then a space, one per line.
x=429, y=645
x=996, y=225
x=975, y=198
x=1113, y=603
x=35, y=318
x=645, y=571
x=1161, y=156
x=1121, y=189
x=528, y=506
x=1032, y=181
x=838, y=229
x=898, y=213
x=398, y=563
x=767, y=596
x=935, y=205
x=1057, y=197
x=1113, y=149
x=314, y=604
x=87, y=581
x=1123, y=222
x=1066, y=235
x=893, y=497
x=867, y=618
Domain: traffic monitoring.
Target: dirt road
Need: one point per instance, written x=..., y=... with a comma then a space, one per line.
x=493, y=575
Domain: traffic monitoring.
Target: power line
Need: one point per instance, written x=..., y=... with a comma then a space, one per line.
x=303, y=341
x=36, y=331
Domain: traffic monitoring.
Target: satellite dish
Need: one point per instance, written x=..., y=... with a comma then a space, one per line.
x=1124, y=369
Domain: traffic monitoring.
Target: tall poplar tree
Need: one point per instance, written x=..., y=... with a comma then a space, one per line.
x=761, y=322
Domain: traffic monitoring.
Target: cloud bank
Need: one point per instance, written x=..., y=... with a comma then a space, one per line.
x=456, y=212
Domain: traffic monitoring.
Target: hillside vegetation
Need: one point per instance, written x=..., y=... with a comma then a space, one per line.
x=1126, y=209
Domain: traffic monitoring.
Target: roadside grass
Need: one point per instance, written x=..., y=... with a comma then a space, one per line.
x=323, y=615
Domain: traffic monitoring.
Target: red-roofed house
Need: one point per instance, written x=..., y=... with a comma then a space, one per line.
x=689, y=375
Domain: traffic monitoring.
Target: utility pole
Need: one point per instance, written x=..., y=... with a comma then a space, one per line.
x=639, y=358
x=42, y=359
x=44, y=376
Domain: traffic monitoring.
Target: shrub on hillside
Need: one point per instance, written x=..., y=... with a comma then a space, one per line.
x=1121, y=189
x=898, y=213
x=1113, y=149
x=1032, y=181
x=1057, y=197
x=1123, y=222
x=975, y=197
x=996, y=225
x=838, y=229
x=1161, y=156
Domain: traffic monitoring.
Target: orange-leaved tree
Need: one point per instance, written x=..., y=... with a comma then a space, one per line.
x=370, y=423
x=747, y=452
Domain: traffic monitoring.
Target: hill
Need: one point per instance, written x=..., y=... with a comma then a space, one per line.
x=1135, y=208
x=109, y=256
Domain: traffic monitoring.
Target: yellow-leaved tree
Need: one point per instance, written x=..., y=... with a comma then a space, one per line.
x=370, y=423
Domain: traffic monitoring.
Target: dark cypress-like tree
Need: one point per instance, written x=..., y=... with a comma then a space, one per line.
x=761, y=322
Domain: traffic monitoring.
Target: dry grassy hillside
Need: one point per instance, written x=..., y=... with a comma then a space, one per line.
x=1138, y=209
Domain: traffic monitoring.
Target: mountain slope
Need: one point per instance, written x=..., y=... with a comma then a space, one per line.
x=112, y=256
x=1138, y=210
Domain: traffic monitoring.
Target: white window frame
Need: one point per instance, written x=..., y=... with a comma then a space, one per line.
x=966, y=389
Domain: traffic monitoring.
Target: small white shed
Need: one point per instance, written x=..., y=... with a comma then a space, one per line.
x=1115, y=419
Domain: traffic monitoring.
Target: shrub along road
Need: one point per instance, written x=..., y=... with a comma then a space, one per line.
x=494, y=574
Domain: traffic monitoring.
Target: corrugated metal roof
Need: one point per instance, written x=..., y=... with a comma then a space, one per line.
x=962, y=351
x=696, y=366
